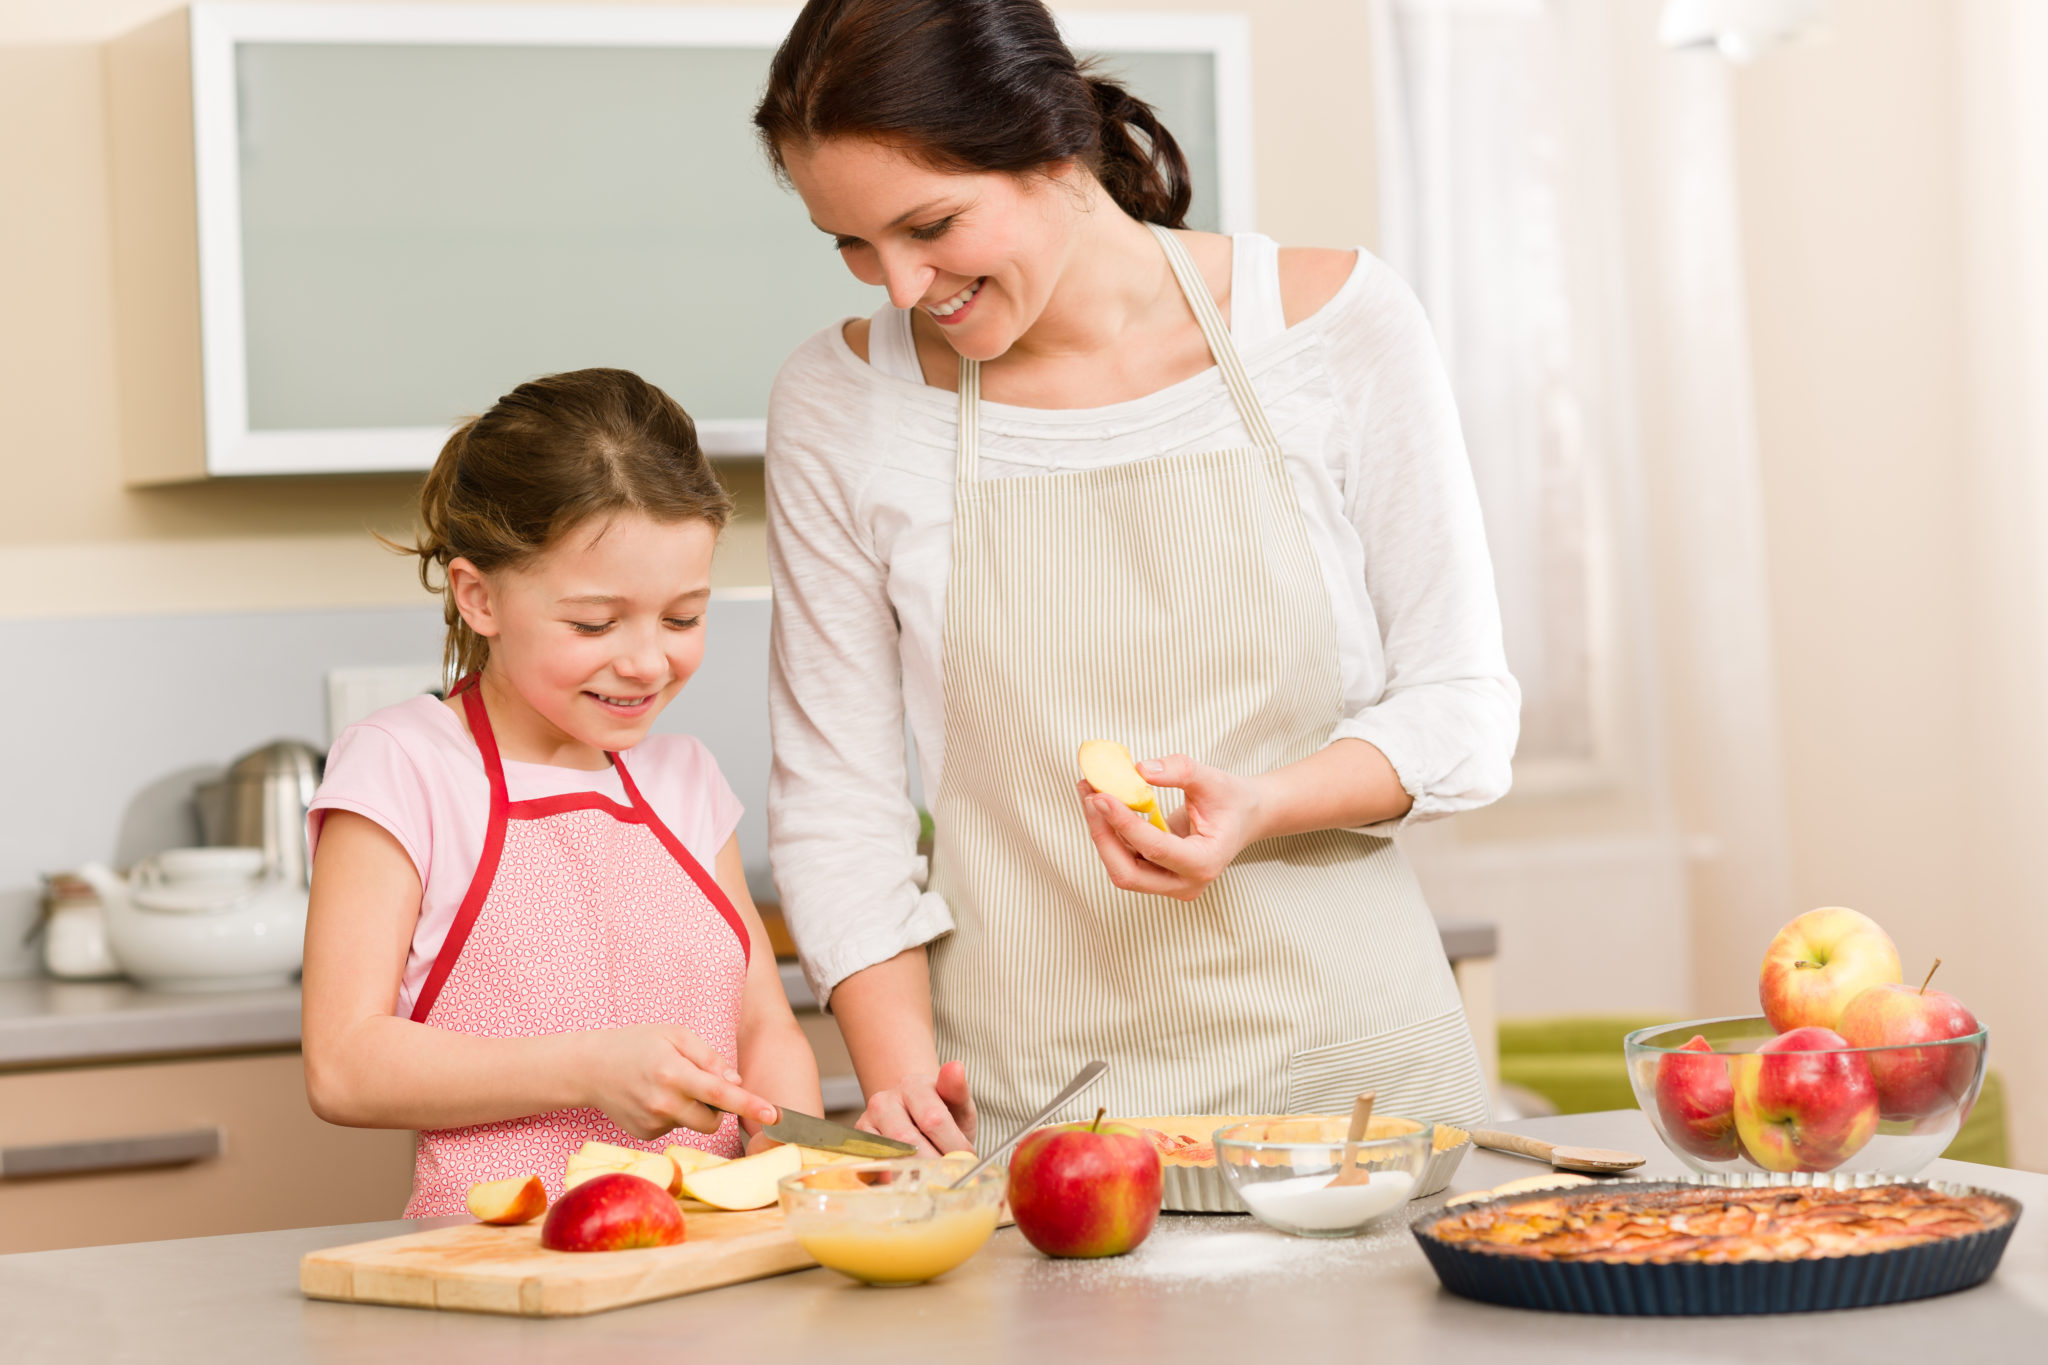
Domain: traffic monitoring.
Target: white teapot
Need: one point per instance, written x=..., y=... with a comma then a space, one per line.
x=203, y=919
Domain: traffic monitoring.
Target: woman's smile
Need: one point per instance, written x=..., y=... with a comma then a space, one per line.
x=954, y=310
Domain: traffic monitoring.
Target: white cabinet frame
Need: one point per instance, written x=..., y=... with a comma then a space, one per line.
x=206, y=38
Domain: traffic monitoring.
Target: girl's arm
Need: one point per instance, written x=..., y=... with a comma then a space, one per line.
x=369, y=1068
x=775, y=1057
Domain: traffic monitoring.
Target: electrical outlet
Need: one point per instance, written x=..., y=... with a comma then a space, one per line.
x=353, y=693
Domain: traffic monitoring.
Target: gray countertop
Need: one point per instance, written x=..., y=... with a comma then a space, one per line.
x=1201, y=1289
x=51, y=1023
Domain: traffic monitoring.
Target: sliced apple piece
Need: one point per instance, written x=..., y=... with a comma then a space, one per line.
x=748, y=1183
x=1109, y=769
x=609, y=1153
x=689, y=1159
x=521, y=1199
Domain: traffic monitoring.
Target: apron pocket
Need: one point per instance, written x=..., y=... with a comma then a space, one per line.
x=1427, y=1070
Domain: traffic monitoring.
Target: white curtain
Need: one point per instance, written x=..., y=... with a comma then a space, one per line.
x=1560, y=191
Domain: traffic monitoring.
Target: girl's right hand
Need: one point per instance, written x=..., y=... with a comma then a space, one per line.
x=935, y=1114
x=650, y=1078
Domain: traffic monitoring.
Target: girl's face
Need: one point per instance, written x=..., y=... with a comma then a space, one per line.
x=592, y=638
x=978, y=252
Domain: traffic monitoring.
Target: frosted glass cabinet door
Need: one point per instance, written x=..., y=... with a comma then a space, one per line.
x=425, y=227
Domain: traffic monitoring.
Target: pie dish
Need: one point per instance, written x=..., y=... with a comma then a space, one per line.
x=1721, y=1246
x=1191, y=1182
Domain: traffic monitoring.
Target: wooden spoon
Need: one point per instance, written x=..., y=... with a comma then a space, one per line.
x=1349, y=1172
x=1592, y=1160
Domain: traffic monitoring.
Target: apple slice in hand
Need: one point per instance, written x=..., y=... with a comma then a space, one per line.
x=748, y=1183
x=506, y=1202
x=1108, y=767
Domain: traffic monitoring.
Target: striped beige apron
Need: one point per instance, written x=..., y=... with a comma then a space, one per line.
x=1174, y=604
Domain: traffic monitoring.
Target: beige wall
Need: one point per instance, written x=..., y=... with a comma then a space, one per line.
x=73, y=540
x=1907, y=628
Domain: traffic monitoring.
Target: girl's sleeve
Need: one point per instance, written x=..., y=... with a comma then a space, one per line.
x=370, y=773
x=842, y=831
x=1450, y=713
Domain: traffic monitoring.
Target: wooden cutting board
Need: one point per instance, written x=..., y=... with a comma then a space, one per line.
x=481, y=1269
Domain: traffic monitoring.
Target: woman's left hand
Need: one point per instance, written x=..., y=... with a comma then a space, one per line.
x=1220, y=816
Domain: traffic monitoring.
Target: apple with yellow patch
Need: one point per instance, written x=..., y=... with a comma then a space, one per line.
x=1110, y=770
x=507, y=1203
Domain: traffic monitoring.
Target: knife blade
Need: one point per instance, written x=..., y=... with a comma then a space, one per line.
x=806, y=1131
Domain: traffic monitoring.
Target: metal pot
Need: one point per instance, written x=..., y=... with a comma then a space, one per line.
x=261, y=802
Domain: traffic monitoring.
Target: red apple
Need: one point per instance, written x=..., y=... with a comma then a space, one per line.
x=611, y=1213
x=1915, y=1082
x=1803, y=1104
x=1085, y=1189
x=1819, y=963
x=1697, y=1102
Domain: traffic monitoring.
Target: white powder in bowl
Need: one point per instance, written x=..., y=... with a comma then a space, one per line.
x=1312, y=1202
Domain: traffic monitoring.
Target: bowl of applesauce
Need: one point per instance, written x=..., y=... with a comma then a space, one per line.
x=894, y=1222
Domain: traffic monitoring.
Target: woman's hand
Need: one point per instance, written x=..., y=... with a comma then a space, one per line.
x=935, y=1114
x=1221, y=815
x=653, y=1077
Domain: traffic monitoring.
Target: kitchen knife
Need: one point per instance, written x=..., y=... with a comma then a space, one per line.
x=805, y=1131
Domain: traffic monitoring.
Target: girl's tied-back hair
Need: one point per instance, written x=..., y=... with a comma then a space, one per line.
x=549, y=456
x=968, y=85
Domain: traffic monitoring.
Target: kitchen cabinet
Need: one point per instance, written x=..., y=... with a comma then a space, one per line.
x=338, y=229
x=277, y=1165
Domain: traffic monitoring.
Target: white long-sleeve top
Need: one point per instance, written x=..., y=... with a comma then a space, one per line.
x=860, y=461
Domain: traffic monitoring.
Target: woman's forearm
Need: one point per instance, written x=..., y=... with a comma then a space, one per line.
x=1343, y=785
x=387, y=1072
x=776, y=1063
x=885, y=1015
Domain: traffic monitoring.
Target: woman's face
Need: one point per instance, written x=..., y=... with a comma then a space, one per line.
x=979, y=252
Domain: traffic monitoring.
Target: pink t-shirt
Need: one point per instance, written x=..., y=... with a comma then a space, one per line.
x=414, y=770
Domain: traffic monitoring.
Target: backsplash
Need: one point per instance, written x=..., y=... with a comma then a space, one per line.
x=117, y=719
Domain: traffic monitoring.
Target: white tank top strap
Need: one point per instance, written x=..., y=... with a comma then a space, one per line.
x=1256, y=313
x=891, y=348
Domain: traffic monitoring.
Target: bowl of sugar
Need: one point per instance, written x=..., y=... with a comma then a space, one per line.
x=1292, y=1173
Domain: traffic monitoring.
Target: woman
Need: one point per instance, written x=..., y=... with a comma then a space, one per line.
x=1091, y=475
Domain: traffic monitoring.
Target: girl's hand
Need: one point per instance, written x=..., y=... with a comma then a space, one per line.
x=651, y=1078
x=1221, y=815
x=935, y=1114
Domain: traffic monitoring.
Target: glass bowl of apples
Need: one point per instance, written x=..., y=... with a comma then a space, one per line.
x=896, y=1222
x=1737, y=1095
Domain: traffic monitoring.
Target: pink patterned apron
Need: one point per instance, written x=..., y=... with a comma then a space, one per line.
x=583, y=914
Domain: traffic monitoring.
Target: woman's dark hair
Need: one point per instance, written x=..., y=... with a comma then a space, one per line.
x=968, y=85
x=549, y=456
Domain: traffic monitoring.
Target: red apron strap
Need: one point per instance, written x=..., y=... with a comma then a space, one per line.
x=706, y=883
x=471, y=692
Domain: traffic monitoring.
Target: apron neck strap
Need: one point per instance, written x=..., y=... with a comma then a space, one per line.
x=472, y=692
x=1221, y=348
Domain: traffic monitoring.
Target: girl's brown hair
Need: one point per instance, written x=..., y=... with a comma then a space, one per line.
x=547, y=457
x=968, y=85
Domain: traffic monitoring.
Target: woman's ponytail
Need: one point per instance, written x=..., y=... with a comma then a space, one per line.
x=1148, y=178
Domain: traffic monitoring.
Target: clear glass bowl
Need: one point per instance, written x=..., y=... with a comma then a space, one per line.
x=1889, y=1110
x=893, y=1222
x=1281, y=1169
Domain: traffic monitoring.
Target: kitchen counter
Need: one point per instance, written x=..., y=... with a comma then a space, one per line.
x=58, y=1023
x=1201, y=1289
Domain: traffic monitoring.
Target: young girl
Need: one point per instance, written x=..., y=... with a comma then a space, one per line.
x=529, y=924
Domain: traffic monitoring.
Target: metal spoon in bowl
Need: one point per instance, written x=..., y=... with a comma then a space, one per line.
x=1088, y=1076
x=1591, y=1160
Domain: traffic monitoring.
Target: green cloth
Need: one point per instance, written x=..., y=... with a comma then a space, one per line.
x=1575, y=1062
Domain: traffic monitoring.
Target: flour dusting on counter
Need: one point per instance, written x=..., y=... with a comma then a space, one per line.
x=1210, y=1253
